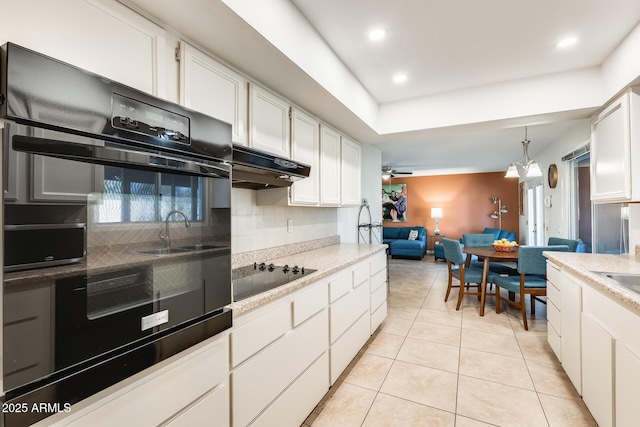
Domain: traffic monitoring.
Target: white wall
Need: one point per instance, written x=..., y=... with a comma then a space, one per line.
x=556, y=218
x=259, y=227
x=371, y=160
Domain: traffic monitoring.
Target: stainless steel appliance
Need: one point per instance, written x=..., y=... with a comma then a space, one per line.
x=132, y=195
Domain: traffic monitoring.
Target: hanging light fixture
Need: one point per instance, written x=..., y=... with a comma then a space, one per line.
x=525, y=167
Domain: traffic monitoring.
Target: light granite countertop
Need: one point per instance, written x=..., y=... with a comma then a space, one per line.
x=586, y=267
x=325, y=260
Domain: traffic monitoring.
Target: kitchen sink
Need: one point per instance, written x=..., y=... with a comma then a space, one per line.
x=627, y=280
x=198, y=247
x=178, y=249
x=163, y=251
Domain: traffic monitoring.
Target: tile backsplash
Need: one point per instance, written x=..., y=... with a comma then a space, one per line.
x=259, y=227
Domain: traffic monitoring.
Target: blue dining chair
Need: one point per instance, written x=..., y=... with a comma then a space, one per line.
x=454, y=257
x=474, y=240
x=531, y=279
x=571, y=243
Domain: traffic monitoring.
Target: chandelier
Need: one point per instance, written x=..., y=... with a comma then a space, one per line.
x=525, y=167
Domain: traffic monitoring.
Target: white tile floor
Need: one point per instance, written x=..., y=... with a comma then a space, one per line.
x=430, y=365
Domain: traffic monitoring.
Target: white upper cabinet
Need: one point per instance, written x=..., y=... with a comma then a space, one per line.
x=350, y=172
x=213, y=89
x=269, y=121
x=615, y=151
x=329, y=166
x=305, y=148
x=101, y=36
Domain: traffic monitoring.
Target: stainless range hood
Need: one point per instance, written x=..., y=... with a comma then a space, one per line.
x=258, y=170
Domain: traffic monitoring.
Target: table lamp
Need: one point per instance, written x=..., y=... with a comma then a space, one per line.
x=436, y=213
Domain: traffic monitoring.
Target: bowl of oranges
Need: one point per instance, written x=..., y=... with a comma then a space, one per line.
x=504, y=245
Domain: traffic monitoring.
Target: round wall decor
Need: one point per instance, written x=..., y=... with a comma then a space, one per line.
x=552, y=176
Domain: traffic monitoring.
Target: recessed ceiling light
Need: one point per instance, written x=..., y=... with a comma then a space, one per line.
x=400, y=78
x=566, y=42
x=378, y=34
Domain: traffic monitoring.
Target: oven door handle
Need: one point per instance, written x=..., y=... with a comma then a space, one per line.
x=111, y=156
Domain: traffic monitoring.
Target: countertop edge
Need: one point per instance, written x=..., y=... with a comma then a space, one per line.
x=576, y=264
x=356, y=252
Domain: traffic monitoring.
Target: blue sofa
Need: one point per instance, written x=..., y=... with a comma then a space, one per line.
x=399, y=244
x=438, y=250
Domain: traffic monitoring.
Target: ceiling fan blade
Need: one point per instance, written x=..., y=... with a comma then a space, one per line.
x=403, y=173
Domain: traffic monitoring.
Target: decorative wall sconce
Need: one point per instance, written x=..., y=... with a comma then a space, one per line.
x=497, y=214
x=436, y=213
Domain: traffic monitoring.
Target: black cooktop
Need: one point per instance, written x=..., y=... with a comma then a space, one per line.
x=253, y=280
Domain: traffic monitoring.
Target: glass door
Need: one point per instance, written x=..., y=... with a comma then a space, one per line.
x=535, y=213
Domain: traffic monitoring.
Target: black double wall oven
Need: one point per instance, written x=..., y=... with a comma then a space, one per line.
x=116, y=232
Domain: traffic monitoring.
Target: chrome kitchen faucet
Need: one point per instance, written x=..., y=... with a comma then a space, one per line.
x=166, y=239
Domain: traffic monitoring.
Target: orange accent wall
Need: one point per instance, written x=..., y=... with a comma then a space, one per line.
x=465, y=200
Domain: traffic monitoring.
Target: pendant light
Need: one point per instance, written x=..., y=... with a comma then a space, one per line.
x=526, y=167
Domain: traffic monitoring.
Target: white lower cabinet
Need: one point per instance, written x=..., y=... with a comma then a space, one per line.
x=597, y=364
x=627, y=389
x=297, y=402
x=262, y=378
x=193, y=385
x=285, y=355
x=571, y=307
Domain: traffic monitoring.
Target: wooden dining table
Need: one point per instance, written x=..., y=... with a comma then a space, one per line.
x=488, y=253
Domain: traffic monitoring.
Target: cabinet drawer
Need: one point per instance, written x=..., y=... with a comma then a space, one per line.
x=340, y=285
x=378, y=263
x=297, y=402
x=213, y=409
x=378, y=316
x=553, y=293
x=360, y=275
x=262, y=378
x=346, y=310
x=378, y=297
x=379, y=279
x=554, y=341
x=553, y=316
x=346, y=348
x=187, y=379
x=309, y=304
x=252, y=337
x=553, y=274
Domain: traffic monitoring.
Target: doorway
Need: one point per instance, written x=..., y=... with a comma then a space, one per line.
x=535, y=213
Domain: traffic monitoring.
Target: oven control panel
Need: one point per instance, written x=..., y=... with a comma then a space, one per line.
x=136, y=116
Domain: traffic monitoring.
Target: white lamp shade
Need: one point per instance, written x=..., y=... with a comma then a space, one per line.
x=512, y=172
x=436, y=212
x=533, y=170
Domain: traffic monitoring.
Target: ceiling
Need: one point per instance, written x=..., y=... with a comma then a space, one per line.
x=443, y=47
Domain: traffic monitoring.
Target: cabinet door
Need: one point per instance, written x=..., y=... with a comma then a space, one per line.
x=610, y=153
x=350, y=172
x=101, y=36
x=329, y=166
x=597, y=371
x=213, y=89
x=61, y=180
x=305, y=148
x=269, y=121
x=570, y=313
x=627, y=387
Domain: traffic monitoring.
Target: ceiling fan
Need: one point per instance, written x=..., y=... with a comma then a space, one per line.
x=388, y=172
